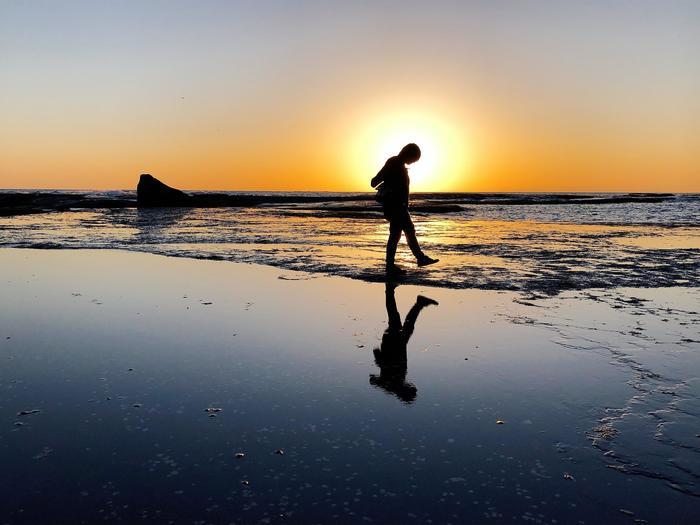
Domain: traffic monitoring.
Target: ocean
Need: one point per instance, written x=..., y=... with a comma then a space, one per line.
x=536, y=243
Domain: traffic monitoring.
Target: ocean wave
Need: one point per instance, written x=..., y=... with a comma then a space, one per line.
x=13, y=202
x=508, y=248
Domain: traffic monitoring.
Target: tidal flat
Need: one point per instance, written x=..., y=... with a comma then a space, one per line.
x=139, y=388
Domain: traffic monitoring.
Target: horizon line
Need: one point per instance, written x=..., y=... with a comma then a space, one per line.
x=371, y=191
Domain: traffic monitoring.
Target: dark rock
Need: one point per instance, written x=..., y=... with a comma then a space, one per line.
x=22, y=203
x=151, y=192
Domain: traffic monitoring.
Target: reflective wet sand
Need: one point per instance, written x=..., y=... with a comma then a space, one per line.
x=115, y=366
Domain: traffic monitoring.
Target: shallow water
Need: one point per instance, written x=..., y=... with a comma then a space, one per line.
x=532, y=248
x=121, y=354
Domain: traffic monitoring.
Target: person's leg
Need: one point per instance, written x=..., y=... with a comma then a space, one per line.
x=395, y=228
x=412, y=240
x=392, y=311
x=410, y=230
x=412, y=315
x=400, y=221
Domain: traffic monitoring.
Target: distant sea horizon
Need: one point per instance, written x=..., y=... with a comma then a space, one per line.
x=352, y=192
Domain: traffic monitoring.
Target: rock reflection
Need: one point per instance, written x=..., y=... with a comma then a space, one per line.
x=391, y=357
x=151, y=223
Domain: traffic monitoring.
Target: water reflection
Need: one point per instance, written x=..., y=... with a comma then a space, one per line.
x=151, y=223
x=474, y=253
x=391, y=357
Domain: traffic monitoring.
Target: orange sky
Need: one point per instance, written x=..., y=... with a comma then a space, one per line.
x=522, y=96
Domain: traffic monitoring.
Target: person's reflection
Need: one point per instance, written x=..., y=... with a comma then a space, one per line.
x=391, y=358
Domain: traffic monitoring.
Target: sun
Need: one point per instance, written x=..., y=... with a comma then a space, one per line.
x=443, y=162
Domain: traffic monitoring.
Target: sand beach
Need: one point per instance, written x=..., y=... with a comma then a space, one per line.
x=139, y=388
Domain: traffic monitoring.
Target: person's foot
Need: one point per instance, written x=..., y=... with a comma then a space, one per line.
x=426, y=261
x=392, y=269
x=425, y=301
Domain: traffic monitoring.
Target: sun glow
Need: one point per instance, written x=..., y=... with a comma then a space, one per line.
x=443, y=164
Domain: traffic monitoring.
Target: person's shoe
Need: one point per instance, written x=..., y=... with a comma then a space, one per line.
x=392, y=269
x=426, y=261
x=425, y=301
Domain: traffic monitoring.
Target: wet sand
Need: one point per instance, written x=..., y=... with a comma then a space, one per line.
x=541, y=253
x=130, y=383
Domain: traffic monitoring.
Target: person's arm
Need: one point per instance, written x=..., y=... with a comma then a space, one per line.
x=386, y=174
x=378, y=178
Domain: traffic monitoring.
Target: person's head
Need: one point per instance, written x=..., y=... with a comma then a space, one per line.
x=410, y=153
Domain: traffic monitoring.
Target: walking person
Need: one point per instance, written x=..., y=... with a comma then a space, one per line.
x=392, y=184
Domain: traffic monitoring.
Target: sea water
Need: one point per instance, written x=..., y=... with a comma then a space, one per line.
x=526, y=242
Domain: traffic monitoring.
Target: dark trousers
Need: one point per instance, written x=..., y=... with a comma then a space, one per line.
x=400, y=222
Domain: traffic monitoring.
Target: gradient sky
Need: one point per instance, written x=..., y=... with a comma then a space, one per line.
x=504, y=96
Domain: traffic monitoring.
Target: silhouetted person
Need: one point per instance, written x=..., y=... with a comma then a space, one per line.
x=392, y=183
x=391, y=358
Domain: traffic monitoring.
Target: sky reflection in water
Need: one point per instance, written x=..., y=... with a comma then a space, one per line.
x=122, y=353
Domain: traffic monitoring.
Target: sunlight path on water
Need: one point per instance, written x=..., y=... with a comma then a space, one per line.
x=527, y=255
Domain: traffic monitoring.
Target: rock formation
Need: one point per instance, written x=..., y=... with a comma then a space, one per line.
x=151, y=192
